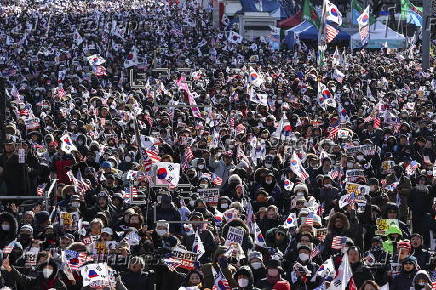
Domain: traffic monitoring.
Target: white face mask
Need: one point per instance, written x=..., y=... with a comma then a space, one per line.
x=268, y=181
x=256, y=265
x=203, y=185
x=161, y=233
x=224, y=205
x=303, y=257
x=243, y=282
x=201, y=166
x=350, y=164
x=127, y=159
x=268, y=165
x=75, y=204
x=47, y=273
x=6, y=227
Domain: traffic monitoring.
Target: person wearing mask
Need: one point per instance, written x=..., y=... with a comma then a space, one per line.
x=245, y=279
x=135, y=278
x=219, y=264
x=258, y=269
x=404, y=280
x=25, y=236
x=302, y=273
x=422, y=255
x=360, y=272
x=378, y=259
x=221, y=167
x=420, y=202
x=338, y=225
x=394, y=235
x=328, y=194
x=274, y=273
x=165, y=210
x=278, y=238
x=8, y=229
x=46, y=279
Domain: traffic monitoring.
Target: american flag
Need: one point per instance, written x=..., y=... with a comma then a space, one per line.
x=338, y=242
x=330, y=33
x=377, y=122
x=433, y=279
x=24, y=112
x=171, y=263
x=216, y=180
x=411, y=168
x=335, y=173
x=40, y=189
x=149, y=158
x=75, y=260
x=308, y=221
x=82, y=186
x=315, y=252
x=364, y=33
x=333, y=132
x=133, y=191
x=100, y=70
x=60, y=92
x=188, y=157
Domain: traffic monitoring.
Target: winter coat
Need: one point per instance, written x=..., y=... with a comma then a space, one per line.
x=361, y=274
x=402, y=281
x=137, y=280
x=8, y=236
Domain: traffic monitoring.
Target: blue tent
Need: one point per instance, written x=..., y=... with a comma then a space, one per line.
x=307, y=31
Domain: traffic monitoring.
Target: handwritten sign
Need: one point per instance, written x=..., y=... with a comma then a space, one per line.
x=357, y=189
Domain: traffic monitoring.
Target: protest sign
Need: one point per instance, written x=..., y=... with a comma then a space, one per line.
x=234, y=235
x=357, y=189
x=210, y=196
x=383, y=225
x=95, y=275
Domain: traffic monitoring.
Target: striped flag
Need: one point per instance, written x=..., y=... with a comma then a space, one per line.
x=75, y=260
x=339, y=242
x=330, y=33
x=308, y=221
x=188, y=157
x=216, y=180
x=40, y=189
x=232, y=122
x=99, y=70
x=8, y=249
x=377, y=122
x=172, y=263
x=315, y=252
x=333, y=132
x=363, y=21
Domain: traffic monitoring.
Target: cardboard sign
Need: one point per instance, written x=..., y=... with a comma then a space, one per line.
x=183, y=258
x=31, y=257
x=367, y=150
x=357, y=189
x=69, y=221
x=321, y=234
x=210, y=196
x=353, y=174
x=234, y=235
x=384, y=224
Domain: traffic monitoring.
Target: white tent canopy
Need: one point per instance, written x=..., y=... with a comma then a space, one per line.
x=380, y=35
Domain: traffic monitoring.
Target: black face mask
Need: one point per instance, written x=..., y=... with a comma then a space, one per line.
x=25, y=240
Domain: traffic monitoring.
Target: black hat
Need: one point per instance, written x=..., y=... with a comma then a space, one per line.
x=274, y=264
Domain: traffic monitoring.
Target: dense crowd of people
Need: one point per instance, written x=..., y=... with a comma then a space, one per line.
x=165, y=155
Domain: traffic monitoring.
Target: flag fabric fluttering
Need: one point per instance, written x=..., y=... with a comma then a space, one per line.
x=363, y=21
x=330, y=32
x=167, y=173
x=291, y=221
x=343, y=277
x=258, y=237
x=197, y=246
x=310, y=14
x=297, y=168
x=411, y=13
x=332, y=13
x=338, y=242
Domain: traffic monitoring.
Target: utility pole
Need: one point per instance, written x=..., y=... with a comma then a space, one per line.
x=2, y=113
x=426, y=33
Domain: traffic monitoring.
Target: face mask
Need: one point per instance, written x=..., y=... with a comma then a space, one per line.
x=268, y=181
x=224, y=205
x=303, y=257
x=127, y=159
x=256, y=265
x=243, y=282
x=6, y=227
x=192, y=203
x=203, y=185
x=201, y=166
x=161, y=233
x=350, y=164
x=75, y=204
x=268, y=165
x=47, y=273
